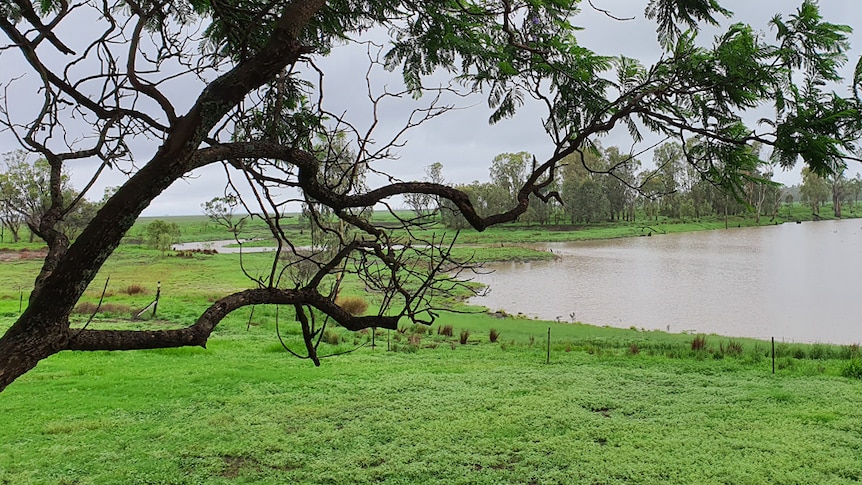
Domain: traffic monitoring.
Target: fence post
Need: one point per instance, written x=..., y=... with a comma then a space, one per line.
x=158, y=292
x=773, y=355
x=548, y=361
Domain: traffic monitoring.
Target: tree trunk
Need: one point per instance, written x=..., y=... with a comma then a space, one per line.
x=25, y=344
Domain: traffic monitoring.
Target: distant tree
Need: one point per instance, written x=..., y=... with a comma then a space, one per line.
x=509, y=171
x=425, y=204
x=620, y=188
x=25, y=197
x=854, y=189
x=220, y=210
x=814, y=189
x=668, y=159
x=838, y=185
x=162, y=235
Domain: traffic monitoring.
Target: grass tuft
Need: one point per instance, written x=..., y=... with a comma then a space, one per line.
x=733, y=347
x=88, y=308
x=699, y=343
x=132, y=290
x=445, y=330
x=493, y=335
x=465, y=334
x=331, y=337
x=353, y=305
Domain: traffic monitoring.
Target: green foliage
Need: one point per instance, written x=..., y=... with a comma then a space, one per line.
x=162, y=235
x=852, y=369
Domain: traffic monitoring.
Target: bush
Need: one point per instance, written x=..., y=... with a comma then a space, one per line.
x=732, y=348
x=353, y=305
x=132, y=290
x=634, y=349
x=849, y=351
x=493, y=335
x=88, y=308
x=699, y=343
x=465, y=334
x=819, y=352
x=85, y=307
x=852, y=369
x=331, y=337
x=445, y=330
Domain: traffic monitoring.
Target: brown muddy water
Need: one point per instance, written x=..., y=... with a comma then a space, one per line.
x=794, y=282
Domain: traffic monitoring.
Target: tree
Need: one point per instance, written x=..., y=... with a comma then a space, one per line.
x=814, y=189
x=220, y=210
x=162, y=235
x=838, y=186
x=25, y=198
x=253, y=100
x=423, y=204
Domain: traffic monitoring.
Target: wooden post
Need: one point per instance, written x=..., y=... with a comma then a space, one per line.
x=548, y=361
x=773, y=355
x=373, y=331
x=158, y=293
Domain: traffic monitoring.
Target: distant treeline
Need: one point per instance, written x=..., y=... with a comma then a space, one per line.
x=606, y=184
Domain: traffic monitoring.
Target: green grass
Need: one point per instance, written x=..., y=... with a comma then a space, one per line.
x=613, y=406
x=244, y=411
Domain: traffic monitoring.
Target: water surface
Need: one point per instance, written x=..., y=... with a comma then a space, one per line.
x=794, y=282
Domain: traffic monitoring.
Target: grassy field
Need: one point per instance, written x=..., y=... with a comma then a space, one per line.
x=437, y=411
x=602, y=406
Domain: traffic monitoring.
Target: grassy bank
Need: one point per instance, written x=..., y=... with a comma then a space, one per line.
x=436, y=411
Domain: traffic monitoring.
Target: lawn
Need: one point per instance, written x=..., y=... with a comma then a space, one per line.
x=431, y=410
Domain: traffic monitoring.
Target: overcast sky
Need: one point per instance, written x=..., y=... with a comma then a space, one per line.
x=462, y=140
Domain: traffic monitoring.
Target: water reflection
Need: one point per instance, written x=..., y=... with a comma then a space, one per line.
x=794, y=282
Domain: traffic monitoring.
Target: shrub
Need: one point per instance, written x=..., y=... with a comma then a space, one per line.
x=85, y=307
x=132, y=290
x=493, y=335
x=819, y=351
x=331, y=337
x=88, y=308
x=849, y=351
x=465, y=334
x=353, y=305
x=852, y=369
x=445, y=330
x=799, y=353
x=115, y=309
x=634, y=349
x=732, y=348
x=699, y=343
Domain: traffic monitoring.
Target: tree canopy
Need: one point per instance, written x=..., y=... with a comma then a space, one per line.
x=109, y=92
